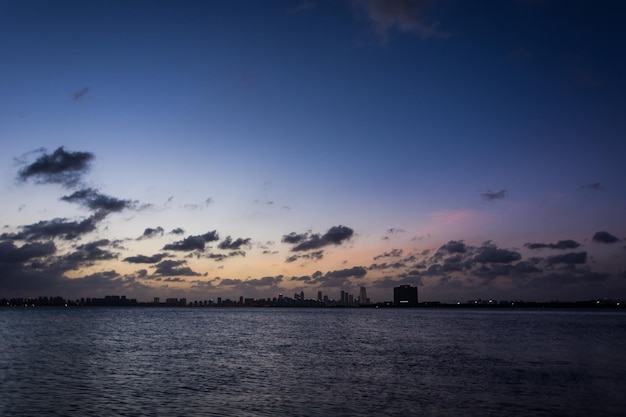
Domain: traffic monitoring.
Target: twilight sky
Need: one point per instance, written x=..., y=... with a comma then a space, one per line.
x=217, y=149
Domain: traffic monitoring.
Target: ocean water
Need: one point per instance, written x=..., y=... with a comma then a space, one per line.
x=311, y=362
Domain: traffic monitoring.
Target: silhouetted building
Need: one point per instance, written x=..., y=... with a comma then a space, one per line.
x=405, y=296
x=362, y=296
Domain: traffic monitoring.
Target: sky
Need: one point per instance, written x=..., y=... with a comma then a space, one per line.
x=245, y=148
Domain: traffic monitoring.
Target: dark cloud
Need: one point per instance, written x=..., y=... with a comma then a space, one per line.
x=80, y=93
x=313, y=256
x=454, y=246
x=101, y=203
x=394, y=253
x=170, y=268
x=339, y=277
x=489, y=195
x=394, y=230
x=398, y=15
x=11, y=254
x=294, y=238
x=356, y=272
x=385, y=265
x=60, y=167
x=229, y=243
x=89, y=253
x=604, y=237
x=56, y=228
x=192, y=243
x=218, y=257
x=150, y=232
x=490, y=253
x=525, y=267
x=568, y=258
x=143, y=259
x=561, y=244
x=593, y=186
x=307, y=241
x=177, y=231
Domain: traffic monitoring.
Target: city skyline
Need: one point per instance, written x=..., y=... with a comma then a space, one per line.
x=199, y=150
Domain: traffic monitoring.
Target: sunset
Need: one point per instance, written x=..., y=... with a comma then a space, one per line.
x=312, y=208
x=214, y=149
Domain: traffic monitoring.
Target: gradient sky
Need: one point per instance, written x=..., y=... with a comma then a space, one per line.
x=250, y=148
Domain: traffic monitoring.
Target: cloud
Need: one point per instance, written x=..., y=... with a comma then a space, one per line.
x=60, y=167
x=489, y=195
x=313, y=256
x=490, y=253
x=394, y=253
x=170, y=267
x=56, y=228
x=143, y=259
x=80, y=93
x=177, y=231
x=339, y=277
x=400, y=15
x=206, y=203
x=393, y=230
x=568, y=258
x=11, y=254
x=604, y=237
x=454, y=246
x=219, y=257
x=229, y=243
x=101, y=203
x=150, y=232
x=192, y=243
x=90, y=252
x=593, y=186
x=307, y=241
x=561, y=244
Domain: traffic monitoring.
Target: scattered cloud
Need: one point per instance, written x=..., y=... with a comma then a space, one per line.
x=489, y=195
x=80, y=93
x=561, y=244
x=604, y=237
x=394, y=253
x=404, y=16
x=593, y=186
x=568, y=258
x=100, y=203
x=308, y=241
x=193, y=243
x=143, y=259
x=490, y=253
x=59, y=167
x=171, y=267
x=229, y=243
x=52, y=229
x=150, y=232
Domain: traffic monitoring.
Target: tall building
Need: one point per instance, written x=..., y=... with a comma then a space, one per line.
x=319, y=296
x=405, y=296
x=362, y=296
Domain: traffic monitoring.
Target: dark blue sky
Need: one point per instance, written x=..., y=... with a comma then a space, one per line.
x=413, y=125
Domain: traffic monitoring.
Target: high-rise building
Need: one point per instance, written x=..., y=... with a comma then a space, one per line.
x=405, y=296
x=362, y=296
x=319, y=296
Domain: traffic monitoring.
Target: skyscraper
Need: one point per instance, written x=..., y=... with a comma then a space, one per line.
x=362, y=296
x=405, y=296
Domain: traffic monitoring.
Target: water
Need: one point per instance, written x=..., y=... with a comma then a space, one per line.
x=311, y=362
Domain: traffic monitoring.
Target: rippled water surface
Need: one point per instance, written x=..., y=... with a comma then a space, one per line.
x=311, y=362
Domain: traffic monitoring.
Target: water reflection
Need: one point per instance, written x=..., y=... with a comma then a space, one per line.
x=95, y=361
